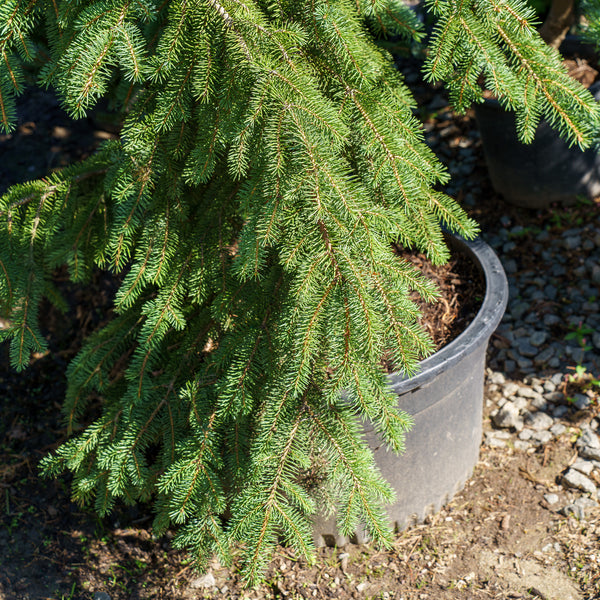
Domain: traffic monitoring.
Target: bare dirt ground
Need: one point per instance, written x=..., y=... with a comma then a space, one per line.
x=497, y=539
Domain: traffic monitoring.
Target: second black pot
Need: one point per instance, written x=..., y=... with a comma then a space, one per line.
x=538, y=174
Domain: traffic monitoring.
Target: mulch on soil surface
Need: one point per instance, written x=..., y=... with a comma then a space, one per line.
x=461, y=288
x=51, y=549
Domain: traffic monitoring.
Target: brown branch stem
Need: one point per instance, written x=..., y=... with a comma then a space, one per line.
x=557, y=23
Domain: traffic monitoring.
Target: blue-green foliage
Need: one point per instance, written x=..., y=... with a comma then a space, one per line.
x=268, y=158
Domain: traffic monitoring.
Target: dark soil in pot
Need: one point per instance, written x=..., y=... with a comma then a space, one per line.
x=461, y=288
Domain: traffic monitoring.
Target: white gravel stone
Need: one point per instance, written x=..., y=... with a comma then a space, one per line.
x=548, y=548
x=206, y=581
x=510, y=389
x=497, y=377
x=583, y=466
x=521, y=445
x=578, y=480
x=557, y=429
x=540, y=403
x=526, y=434
x=527, y=392
x=574, y=510
x=521, y=403
x=588, y=439
x=589, y=452
x=551, y=498
x=493, y=442
x=586, y=502
x=541, y=437
x=539, y=421
x=508, y=417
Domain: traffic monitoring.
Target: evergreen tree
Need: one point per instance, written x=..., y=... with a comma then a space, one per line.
x=268, y=157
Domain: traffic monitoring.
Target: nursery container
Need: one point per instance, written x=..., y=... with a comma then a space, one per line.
x=538, y=174
x=445, y=399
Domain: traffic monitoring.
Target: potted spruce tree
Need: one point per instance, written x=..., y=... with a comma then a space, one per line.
x=534, y=171
x=268, y=157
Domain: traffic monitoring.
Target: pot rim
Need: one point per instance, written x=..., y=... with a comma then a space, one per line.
x=478, y=331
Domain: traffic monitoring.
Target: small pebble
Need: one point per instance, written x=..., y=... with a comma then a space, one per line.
x=588, y=439
x=557, y=429
x=541, y=437
x=493, y=442
x=548, y=548
x=586, y=502
x=572, y=242
x=539, y=421
x=521, y=445
x=560, y=411
x=583, y=466
x=498, y=378
x=554, y=397
x=527, y=392
x=206, y=581
x=538, y=338
x=525, y=434
x=574, y=510
x=589, y=452
x=521, y=403
x=508, y=417
x=575, y=479
x=551, y=498
x=581, y=401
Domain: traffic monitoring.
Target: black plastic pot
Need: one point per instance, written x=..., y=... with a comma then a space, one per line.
x=446, y=400
x=538, y=174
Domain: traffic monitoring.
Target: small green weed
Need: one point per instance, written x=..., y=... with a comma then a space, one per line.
x=580, y=333
x=71, y=593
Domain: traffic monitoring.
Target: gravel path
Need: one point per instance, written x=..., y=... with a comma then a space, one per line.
x=544, y=360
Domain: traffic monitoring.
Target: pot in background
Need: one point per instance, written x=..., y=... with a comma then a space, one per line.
x=538, y=174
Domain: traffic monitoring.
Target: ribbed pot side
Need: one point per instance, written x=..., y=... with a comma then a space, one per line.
x=445, y=399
